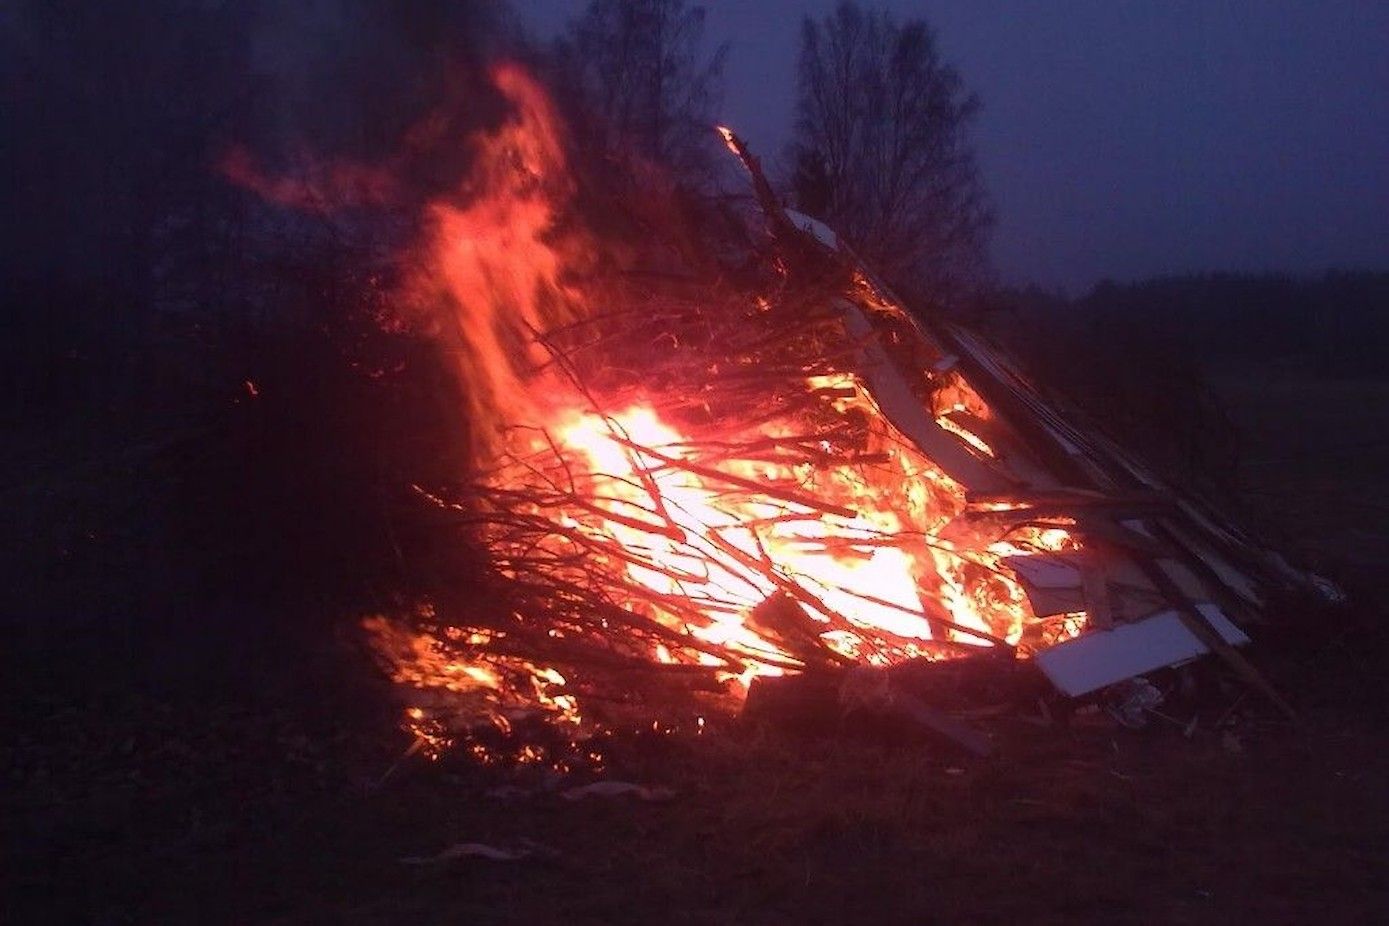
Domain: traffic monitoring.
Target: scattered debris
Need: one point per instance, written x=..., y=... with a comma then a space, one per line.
x=525, y=849
x=1130, y=702
x=618, y=789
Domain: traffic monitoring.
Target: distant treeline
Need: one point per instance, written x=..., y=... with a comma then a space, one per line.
x=1335, y=325
x=1141, y=358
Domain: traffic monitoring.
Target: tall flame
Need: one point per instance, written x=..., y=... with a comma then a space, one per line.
x=493, y=265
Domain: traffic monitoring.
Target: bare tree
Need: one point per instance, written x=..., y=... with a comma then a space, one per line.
x=640, y=69
x=881, y=149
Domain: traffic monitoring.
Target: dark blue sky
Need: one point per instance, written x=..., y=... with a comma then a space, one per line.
x=1128, y=139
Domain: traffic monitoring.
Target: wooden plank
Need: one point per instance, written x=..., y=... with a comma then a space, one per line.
x=967, y=738
x=1197, y=623
x=900, y=405
x=1099, y=608
x=1008, y=447
x=816, y=701
x=1118, y=535
x=877, y=692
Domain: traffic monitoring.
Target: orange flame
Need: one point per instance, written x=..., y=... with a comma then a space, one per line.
x=493, y=263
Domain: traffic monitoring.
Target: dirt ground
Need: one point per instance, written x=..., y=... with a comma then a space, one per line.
x=226, y=768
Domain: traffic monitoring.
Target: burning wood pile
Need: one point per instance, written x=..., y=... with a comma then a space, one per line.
x=692, y=489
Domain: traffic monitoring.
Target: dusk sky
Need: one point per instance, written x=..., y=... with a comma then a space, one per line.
x=1129, y=139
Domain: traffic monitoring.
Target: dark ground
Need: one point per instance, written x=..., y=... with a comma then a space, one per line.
x=215, y=765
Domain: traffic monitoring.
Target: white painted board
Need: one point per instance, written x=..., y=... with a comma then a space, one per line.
x=1046, y=570
x=1099, y=658
x=815, y=228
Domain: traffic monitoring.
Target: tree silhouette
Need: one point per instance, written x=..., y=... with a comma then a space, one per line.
x=642, y=74
x=881, y=149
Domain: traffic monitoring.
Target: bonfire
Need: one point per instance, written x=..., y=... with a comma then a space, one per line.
x=684, y=488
